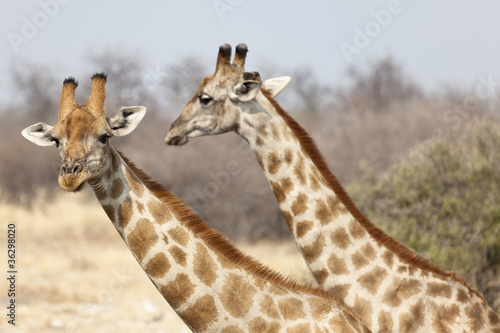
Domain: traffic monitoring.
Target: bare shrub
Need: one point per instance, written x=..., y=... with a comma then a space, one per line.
x=375, y=89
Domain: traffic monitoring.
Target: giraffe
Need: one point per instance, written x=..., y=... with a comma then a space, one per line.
x=392, y=288
x=211, y=285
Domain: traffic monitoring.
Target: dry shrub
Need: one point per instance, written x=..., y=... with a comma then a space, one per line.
x=443, y=202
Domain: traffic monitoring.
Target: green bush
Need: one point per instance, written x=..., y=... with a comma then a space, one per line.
x=443, y=200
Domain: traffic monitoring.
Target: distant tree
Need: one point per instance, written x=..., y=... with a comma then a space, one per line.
x=375, y=89
x=37, y=93
x=182, y=81
x=310, y=92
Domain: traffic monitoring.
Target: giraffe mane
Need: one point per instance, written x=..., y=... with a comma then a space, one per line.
x=218, y=242
x=402, y=251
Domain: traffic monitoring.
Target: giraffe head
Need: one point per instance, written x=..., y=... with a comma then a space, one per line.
x=82, y=131
x=222, y=97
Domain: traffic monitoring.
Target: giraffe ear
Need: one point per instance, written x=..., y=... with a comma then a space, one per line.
x=245, y=91
x=126, y=120
x=40, y=134
x=276, y=85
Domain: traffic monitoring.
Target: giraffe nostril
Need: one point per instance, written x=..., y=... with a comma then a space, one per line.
x=76, y=169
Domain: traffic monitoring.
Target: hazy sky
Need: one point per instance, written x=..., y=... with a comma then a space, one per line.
x=454, y=41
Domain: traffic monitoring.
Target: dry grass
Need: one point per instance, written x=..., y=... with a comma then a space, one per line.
x=75, y=274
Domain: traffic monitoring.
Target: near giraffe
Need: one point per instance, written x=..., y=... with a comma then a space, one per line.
x=208, y=282
x=392, y=288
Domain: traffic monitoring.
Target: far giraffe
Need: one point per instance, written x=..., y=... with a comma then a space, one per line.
x=210, y=284
x=392, y=288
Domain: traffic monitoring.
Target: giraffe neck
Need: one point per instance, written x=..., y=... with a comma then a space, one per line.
x=210, y=285
x=346, y=254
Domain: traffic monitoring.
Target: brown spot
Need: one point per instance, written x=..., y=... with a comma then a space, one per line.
x=299, y=170
x=288, y=134
x=278, y=191
x=300, y=328
x=291, y=308
x=277, y=290
x=286, y=185
x=341, y=290
x=204, y=266
x=315, y=184
x=402, y=269
x=288, y=219
x=142, y=238
x=388, y=258
x=258, y=141
x=336, y=205
x=323, y=213
x=288, y=155
x=369, y=251
x=400, y=290
x=224, y=262
x=273, y=163
x=178, y=254
x=299, y=206
x=237, y=295
x=313, y=251
x=321, y=275
x=336, y=265
x=260, y=160
x=201, y=314
x=140, y=207
x=179, y=235
x=268, y=307
x=320, y=308
x=385, y=322
x=338, y=323
x=444, y=316
x=475, y=318
x=303, y=228
x=178, y=291
x=363, y=308
x=356, y=230
x=124, y=212
x=262, y=129
x=116, y=188
x=158, y=266
x=281, y=189
x=232, y=329
x=462, y=296
x=259, y=283
x=435, y=289
x=413, y=320
x=159, y=211
x=341, y=239
x=110, y=211
x=371, y=281
x=359, y=260
x=134, y=182
x=413, y=269
x=493, y=318
x=260, y=325
x=276, y=133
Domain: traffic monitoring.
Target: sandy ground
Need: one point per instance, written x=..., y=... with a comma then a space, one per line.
x=75, y=274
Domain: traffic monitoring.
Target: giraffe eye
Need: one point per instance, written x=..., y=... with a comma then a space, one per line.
x=104, y=138
x=205, y=99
